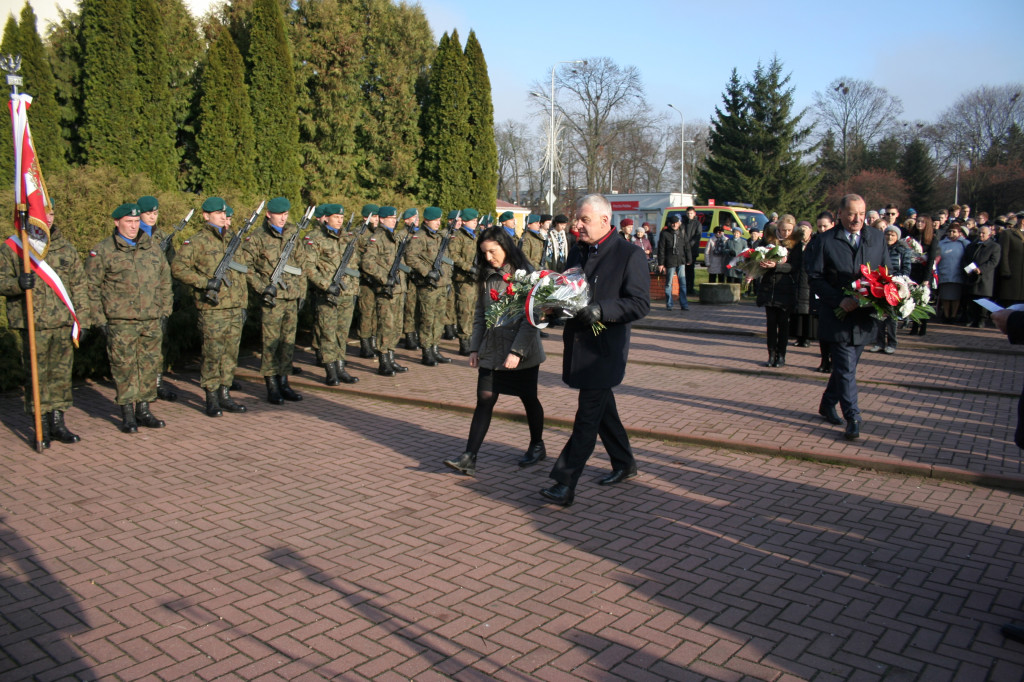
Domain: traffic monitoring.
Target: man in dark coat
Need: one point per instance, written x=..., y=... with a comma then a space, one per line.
x=691, y=228
x=833, y=262
x=1010, y=284
x=594, y=364
x=984, y=254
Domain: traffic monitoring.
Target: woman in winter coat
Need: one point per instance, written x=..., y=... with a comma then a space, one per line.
x=920, y=271
x=951, y=273
x=717, y=255
x=900, y=260
x=508, y=356
x=777, y=292
x=803, y=325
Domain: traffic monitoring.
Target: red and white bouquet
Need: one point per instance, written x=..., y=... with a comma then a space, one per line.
x=916, y=251
x=891, y=297
x=749, y=261
x=531, y=295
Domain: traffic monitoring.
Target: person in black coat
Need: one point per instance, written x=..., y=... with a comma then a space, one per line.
x=985, y=254
x=833, y=262
x=691, y=228
x=673, y=255
x=777, y=292
x=595, y=363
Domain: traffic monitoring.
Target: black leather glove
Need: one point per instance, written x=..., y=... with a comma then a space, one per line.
x=102, y=329
x=27, y=280
x=213, y=285
x=434, y=276
x=334, y=290
x=270, y=291
x=590, y=315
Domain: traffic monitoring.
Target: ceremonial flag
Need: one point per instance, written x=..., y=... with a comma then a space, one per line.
x=29, y=187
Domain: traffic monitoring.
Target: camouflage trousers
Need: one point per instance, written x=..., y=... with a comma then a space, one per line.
x=221, y=330
x=133, y=347
x=332, y=325
x=430, y=304
x=279, y=325
x=465, y=307
x=55, y=354
x=389, y=322
x=367, y=312
x=449, y=304
x=409, y=311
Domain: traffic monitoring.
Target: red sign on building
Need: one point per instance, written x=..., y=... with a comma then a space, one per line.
x=625, y=205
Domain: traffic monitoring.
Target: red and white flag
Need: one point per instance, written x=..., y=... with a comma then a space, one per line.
x=29, y=187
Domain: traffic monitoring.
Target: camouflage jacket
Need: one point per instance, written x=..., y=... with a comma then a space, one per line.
x=49, y=311
x=462, y=250
x=379, y=256
x=128, y=282
x=533, y=248
x=198, y=258
x=328, y=249
x=264, y=246
x=421, y=254
x=158, y=237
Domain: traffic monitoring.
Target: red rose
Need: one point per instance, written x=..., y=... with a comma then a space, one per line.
x=494, y=294
x=506, y=277
x=510, y=291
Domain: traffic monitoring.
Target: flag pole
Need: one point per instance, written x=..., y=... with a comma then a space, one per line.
x=12, y=64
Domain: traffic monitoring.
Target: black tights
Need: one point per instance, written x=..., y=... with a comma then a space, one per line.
x=485, y=401
x=778, y=329
x=714, y=277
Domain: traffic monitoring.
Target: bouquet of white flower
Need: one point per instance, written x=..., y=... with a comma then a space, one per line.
x=534, y=294
x=749, y=261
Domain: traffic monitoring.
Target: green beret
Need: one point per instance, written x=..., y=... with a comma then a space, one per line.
x=507, y=215
x=431, y=213
x=370, y=209
x=452, y=214
x=470, y=214
x=409, y=213
x=147, y=204
x=386, y=211
x=228, y=211
x=318, y=212
x=125, y=210
x=532, y=218
x=279, y=205
x=214, y=204
x=331, y=209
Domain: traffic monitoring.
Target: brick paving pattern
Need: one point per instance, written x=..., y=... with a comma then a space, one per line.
x=325, y=540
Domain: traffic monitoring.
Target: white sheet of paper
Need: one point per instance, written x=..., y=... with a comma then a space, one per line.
x=988, y=305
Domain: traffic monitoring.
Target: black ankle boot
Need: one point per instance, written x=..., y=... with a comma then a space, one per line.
x=437, y=355
x=128, y=423
x=163, y=391
x=145, y=418
x=343, y=375
x=384, y=368
x=44, y=434
x=212, y=404
x=59, y=431
x=332, y=374
x=771, y=359
x=373, y=345
x=449, y=333
x=409, y=342
x=428, y=357
x=226, y=402
x=463, y=347
x=286, y=391
x=274, y=390
x=466, y=463
x=416, y=341
x=535, y=453
x=365, y=349
x=394, y=365
x=780, y=360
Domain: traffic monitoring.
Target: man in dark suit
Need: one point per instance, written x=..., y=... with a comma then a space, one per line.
x=620, y=294
x=833, y=263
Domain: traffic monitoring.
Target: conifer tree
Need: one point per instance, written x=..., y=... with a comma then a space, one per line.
x=110, y=96
x=225, y=137
x=918, y=170
x=274, y=107
x=724, y=175
x=445, y=173
x=185, y=50
x=155, y=130
x=64, y=47
x=483, y=147
x=10, y=44
x=39, y=82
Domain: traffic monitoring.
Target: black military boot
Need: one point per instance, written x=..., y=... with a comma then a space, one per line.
x=128, y=423
x=332, y=374
x=410, y=341
x=44, y=430
x=373, y=345
x=535, y=453
x=343, y=375
x=223, y=397
x=145, y=418
x=466, y=463
x=286, y=391
x=212, y=404
x=394, y=365
x=416, y=340
x=437, y=355
x=428, y=357
x=365, y=348
x=463, y=346
x=163, y=391
x=274, y=390
x=59, y=431
x=384, y=367
x=449, y=333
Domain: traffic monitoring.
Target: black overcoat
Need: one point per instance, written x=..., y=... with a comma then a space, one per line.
x=984, y=254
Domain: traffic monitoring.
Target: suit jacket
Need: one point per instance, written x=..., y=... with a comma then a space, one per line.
x=833, y=265
x=621, y=284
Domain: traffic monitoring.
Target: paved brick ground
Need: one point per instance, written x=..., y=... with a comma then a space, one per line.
x=326, y=540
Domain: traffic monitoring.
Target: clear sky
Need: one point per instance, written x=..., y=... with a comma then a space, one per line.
x=925, y=52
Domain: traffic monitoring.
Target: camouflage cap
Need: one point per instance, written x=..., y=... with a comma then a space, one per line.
x=470, y=214
x=507, y=215
x=147, y=204
x=214, y=204
x=125, y=210
x=387, y=211
x=370, y=209
x=279, y=205
x=431, y=213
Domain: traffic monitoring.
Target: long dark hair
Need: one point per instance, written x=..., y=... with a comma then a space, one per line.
x=514, y=256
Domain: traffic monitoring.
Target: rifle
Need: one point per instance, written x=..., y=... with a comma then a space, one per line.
x=343, y=268
x=392, y=281
x=435, y=270
x=165, y=243
x=227, y=261
x=282, y=263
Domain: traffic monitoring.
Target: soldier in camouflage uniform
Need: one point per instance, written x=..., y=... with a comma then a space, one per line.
x=449, y=295
x=53, y=327
x=463, y=252
x=375, y=266
x=130, y=288
x=221, y=305
x=508, y=221
x=149, y=214
x=335, y=303
x=367, y=331
x=280, y=308
x=428, y=285
x=532, y=242
x=409, y=340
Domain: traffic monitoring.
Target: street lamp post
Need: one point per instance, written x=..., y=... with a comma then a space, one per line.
x=551, y=136
x=682, y=152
